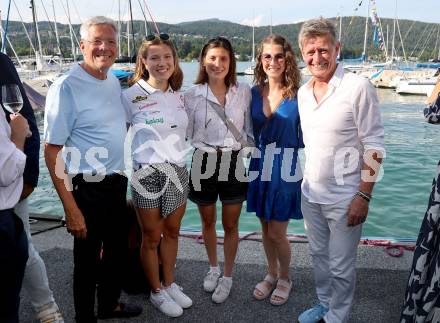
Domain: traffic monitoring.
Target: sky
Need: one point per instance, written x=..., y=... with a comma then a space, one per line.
x=261, y=12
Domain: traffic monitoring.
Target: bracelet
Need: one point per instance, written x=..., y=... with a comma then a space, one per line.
x=367, y=197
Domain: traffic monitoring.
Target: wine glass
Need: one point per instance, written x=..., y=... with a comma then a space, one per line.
x=11, y=98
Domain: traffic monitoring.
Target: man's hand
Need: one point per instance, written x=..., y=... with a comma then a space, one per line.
x=75, y=223
x=357, y=212
x=27, y=190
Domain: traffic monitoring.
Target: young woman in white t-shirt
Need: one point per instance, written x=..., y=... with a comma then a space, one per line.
x=159, y=184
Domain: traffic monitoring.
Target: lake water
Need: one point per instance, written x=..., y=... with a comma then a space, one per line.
x=400, y=198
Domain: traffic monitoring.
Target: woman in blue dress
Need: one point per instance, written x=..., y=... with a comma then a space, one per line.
x=274, y=192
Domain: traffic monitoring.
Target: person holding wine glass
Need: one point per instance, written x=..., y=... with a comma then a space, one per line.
x=35, y=283
x=13, y=241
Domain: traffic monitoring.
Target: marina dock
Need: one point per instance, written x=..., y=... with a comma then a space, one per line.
x=381, y=283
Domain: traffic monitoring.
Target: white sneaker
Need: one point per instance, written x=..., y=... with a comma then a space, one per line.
x=50, y=313
x=176, y=293
x=165, y=303
x=222, y=291
x=210, y=281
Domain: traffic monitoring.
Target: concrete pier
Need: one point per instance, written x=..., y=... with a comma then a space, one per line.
x=381, y=282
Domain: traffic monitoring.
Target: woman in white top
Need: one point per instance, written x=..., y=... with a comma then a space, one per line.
x=216, y=171
x=13, y=242
x=160, y=182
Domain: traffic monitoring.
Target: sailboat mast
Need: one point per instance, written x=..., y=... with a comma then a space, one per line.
x=340, y=29
x=393, y=51
x=436, y=42
x=387, y=43
x=145, y=18
x=3, y=38
x=119, y=28
x=364, y=52
x=340, y=35
x=71, y=32
x=132, y=27
x=401, y=40
x=2, y=32
x=253, y=39
x=56, y=30
x=128, y=40
x=270, y=30
x=3, y=35
x=37, y=33
x=438, y=56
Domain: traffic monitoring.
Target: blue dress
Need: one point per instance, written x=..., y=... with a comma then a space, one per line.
x=275, y=194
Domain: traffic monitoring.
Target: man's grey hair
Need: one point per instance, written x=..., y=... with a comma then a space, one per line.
x=97, y=20
x=316, y=28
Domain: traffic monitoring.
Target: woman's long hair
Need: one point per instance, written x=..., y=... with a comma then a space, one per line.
x=141, y=72
x=222, y=42
x=291, y=75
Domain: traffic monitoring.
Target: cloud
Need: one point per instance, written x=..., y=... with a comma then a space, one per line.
x=257, y=21
x=299, y=20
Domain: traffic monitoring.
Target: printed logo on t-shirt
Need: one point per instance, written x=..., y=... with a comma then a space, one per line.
x=154, y=121
x=151, y=112
x=139, y=98
x=147, y=105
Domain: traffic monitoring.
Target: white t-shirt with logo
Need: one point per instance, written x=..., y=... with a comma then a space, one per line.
x=158, y=125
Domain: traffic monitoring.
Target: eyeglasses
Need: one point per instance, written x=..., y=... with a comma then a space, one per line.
x=268, y=57
x=161, y=36
x=99, y=42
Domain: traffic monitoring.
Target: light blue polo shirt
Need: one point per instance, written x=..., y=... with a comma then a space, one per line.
x=86, y=116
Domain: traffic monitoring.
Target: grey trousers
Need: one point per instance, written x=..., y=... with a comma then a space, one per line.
x=35, y=281
x=333, y=247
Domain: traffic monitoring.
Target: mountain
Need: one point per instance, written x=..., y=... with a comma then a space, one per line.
x=420, y=39
x=204, y=20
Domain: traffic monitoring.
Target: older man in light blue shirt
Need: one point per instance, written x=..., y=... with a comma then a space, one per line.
x=85, y=123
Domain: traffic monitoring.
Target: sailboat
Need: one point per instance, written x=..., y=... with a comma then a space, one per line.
x=250, y=69
x=363, y=67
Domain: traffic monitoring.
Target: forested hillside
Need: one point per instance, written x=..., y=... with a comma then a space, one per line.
x=420, y=39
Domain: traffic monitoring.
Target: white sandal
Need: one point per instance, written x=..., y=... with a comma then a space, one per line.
x=282, y=291
x=264, y=288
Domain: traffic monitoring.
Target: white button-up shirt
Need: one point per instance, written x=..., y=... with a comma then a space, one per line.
x=337, y=132
x=205, y=128
x=12, y=162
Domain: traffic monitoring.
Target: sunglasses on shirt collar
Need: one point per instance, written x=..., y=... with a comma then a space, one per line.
x=161, y=36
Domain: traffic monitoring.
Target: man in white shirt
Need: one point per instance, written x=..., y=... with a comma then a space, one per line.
x=13, y=241
x=343, y=137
